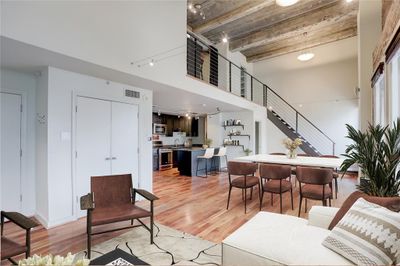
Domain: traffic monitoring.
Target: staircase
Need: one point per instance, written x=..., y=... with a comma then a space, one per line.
x=295, y=125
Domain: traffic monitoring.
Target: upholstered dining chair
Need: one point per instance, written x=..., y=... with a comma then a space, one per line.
x=273, y=180
x=314, y=184
x=245, y=178
x=112, y=199
x=10, y=248
x=293, y=168
x=335, y=173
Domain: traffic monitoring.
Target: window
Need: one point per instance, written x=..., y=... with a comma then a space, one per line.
x=393, y=87
x=379, y=101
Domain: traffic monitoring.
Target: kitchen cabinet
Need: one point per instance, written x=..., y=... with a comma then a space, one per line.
x=177, y=124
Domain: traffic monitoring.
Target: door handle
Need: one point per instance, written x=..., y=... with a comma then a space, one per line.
x=108, y=158
x=113, y=158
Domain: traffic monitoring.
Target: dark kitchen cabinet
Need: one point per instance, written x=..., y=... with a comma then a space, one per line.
x=177, y=124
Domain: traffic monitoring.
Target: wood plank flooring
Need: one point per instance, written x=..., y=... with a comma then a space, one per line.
x=194, y=205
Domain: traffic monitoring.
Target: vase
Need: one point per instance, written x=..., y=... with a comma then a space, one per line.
x=291, y=154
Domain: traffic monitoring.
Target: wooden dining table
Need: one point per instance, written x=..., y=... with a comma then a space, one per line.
x=333, y=163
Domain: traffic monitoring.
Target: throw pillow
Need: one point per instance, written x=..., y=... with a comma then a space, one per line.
x=392, y=203
x=368, y=234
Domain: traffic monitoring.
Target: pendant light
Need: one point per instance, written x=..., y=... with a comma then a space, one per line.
x=305, y=55
x=286, y=2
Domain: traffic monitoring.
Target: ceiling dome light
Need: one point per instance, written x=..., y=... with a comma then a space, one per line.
x=305, y=56
x=225, y=40
x=151, y=63
x=286, y=2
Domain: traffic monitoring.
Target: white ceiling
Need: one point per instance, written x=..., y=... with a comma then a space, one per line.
x=324, y=54
x=26, y=58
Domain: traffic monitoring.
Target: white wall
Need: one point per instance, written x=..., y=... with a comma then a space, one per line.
x=217, y=133
x=325, y=94
x=369, y=30
x=25, y=85
x=63, y=86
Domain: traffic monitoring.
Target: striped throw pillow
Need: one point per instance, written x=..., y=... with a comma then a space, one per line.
x=367, y=235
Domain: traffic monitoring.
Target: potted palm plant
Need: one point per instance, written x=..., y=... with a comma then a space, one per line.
x=377, y=152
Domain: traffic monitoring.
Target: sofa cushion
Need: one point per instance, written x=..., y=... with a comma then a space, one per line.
x=368, y=234
x=284, y=239
x=392, y=203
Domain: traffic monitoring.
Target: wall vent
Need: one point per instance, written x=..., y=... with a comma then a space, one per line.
x=132, y=94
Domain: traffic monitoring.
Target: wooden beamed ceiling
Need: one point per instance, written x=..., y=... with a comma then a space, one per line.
x=260, y=29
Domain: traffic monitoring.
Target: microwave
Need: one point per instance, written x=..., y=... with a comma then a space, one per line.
x=159, y=129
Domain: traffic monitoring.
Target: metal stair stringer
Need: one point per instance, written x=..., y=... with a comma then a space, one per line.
x=291, y=133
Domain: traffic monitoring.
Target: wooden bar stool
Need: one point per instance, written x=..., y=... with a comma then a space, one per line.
x=209, y=154
x=221, y=154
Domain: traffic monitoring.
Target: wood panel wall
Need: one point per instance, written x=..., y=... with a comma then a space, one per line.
x=390, y=25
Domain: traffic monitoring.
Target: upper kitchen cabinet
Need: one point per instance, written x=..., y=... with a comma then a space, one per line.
x=177, y=124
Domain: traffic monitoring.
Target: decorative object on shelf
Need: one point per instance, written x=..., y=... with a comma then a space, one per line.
x=247, y=151
x=377, y=152
x=37, y=260
x=291, y=146
x=207, y=144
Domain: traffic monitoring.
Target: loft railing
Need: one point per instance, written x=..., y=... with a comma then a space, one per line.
x=206, y=63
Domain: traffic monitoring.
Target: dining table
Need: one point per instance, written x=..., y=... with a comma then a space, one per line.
x=333, y=163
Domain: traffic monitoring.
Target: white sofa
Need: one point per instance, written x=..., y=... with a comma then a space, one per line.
x=273, y=239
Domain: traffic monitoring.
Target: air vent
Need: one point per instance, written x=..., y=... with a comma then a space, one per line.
x=132, y=94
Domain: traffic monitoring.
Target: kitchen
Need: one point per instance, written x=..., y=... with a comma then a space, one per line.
x=178, y=141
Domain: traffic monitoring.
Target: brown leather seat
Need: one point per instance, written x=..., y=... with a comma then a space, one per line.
x=10, y=248
x=274, y=177
x=117, y=214
x=274, y=186
x=250, y=181
x=112, y=199
x=246, y=179
x=315, y=192
x=335, y=173
x=317, y=184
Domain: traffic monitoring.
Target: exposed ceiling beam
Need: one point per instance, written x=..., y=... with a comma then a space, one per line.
x=247, y=9
x=311, y=21
x=345, y=30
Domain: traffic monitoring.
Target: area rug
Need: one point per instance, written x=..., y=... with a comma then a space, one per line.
x=171, y=247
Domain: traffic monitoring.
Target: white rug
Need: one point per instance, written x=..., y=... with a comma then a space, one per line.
x=171, y=247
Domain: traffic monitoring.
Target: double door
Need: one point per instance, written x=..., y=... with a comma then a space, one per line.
x=106, y=142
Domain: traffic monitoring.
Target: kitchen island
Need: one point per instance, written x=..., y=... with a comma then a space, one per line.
x=186, y=160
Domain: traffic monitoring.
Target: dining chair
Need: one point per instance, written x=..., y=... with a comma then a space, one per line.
x=208, y=155
x=273, y=180
x=317, y=182
x=221, y=154
x=292, y=170
x=335, y=173
x=245, y=179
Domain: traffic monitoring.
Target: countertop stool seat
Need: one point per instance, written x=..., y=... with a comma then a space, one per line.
x=221, y=154
x=208, y=155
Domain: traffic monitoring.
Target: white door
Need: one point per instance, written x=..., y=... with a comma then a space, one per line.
x=93, y=143
x=10, y=151
x=124, y=140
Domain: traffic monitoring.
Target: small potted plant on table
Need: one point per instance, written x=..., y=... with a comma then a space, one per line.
x=291, y=146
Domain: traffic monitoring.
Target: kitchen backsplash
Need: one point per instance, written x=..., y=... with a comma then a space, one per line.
x=179, y=136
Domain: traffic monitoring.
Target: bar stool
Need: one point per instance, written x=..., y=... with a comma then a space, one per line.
x=222, y=154
x=209, y=154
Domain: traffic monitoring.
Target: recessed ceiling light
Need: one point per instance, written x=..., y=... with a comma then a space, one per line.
x=204, y=105
x=286, y=2
x=225, y=39
x=186, y=114
x=151, y=63
x=305, y=56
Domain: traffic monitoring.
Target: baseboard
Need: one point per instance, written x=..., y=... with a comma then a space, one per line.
x=50, y=224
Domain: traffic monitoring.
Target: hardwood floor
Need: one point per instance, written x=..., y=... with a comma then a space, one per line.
x=191, y=204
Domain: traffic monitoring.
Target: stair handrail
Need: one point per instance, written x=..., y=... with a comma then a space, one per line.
x=265, y=86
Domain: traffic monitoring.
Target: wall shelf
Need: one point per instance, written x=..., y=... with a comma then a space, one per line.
x=238, y=125
x=241, y=135
x=232, y=145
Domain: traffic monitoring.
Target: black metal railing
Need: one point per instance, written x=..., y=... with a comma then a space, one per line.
x=206, y=63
